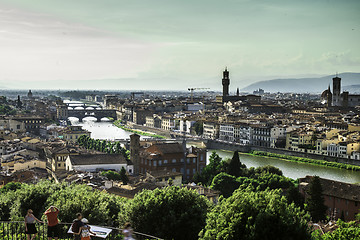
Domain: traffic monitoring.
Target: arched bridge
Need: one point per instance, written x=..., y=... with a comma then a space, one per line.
x=96, y=113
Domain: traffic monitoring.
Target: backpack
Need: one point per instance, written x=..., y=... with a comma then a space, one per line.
x=75, y=227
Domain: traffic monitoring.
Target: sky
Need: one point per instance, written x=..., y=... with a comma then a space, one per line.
x=173, y=45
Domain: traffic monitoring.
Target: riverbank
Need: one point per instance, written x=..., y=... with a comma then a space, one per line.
x=304, y=160
x=118, y=124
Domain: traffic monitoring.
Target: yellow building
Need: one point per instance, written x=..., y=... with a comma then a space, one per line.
x=29, y=164
x=352, y=147
x=72, y=133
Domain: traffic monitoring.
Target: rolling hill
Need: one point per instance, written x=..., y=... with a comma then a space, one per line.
x=349, y=82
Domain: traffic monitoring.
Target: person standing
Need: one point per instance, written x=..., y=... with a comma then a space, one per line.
x=30, y=228
x=53, y=222
x=85, y=231
x=127, y=231
x=75, y=227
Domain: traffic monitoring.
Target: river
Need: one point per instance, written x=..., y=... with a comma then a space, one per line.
x=106, y=130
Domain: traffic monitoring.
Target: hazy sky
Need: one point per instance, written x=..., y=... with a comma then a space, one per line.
x=168, y=44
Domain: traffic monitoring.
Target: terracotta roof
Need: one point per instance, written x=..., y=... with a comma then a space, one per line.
x=161, y=173
x=337, y=189
x=90, y=159
x=166, y=148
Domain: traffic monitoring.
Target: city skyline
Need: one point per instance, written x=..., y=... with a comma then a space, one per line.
x=173, y=45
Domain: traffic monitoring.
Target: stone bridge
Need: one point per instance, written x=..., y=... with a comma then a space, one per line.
x=96, y=113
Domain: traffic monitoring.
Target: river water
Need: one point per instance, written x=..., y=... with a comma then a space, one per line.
x=106, y=130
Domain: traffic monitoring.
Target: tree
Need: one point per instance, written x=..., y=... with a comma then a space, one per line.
x=225, y=183
x=123, y=177
x=112, y=175
x=269, y=169
x=315, y=200
x=169, y=213
x=235, y=167
x=215, y=166
x=256, y=215
x=350, y=230
x=198, y=128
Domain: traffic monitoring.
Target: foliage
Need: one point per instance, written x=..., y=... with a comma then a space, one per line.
x=225, y=183
x=103, y=146
x=308, y=160
x=11, y=186
x=215, y=166
x=235, y=167
x=169, y=213
x=6, y=110
x=111, y=175
x=99, y=207
x=256, y=215
x=120, y=125
x=315, y=201
x=123, y=177
x=198, y=128
x=345, y=230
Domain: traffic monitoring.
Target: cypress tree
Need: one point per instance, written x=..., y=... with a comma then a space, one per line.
x=124, y=178
x=234, y=166
x=315, y=200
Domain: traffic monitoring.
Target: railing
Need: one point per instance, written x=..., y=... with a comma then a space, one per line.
x=15, y=230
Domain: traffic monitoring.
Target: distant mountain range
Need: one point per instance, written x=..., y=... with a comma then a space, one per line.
x=349, y=82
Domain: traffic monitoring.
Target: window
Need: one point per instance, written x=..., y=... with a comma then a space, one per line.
x=174, y=160
x=329, y=197
x=202, y=157
x=194, y=170
x=154, y=163
x=165, y=161
x=174, y=169
x=182, y=170
x=188, y=160
x=188, y=171
x=59, y=164
x=194, y=160
x=160, y=162
x=182, y=160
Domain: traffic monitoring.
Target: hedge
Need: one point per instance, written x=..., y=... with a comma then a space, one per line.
x=308, y=160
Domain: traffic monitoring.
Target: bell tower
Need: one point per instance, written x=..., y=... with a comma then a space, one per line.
x=336, y=91
x=226, y=83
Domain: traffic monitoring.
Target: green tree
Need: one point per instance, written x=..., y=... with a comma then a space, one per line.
x=11, y=186
x=198, y=127
x=169, y=213
x=315, y=200
x=235, y=168
x=345, y=231
x=250, y=215
x=112, y=175
x=215, y=166
x=123, y=176
x=225, y=183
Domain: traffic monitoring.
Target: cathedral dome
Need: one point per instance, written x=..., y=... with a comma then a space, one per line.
x=325, y=94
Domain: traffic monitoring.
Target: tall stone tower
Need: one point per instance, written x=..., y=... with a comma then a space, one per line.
x=134, y=152
x=226, y=83
x=336, y=99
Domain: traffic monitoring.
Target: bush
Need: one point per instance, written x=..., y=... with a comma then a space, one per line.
x=169, y=213
x=256, y=215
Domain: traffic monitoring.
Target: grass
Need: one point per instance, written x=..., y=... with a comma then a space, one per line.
x=306, y=160
x=120, y=125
